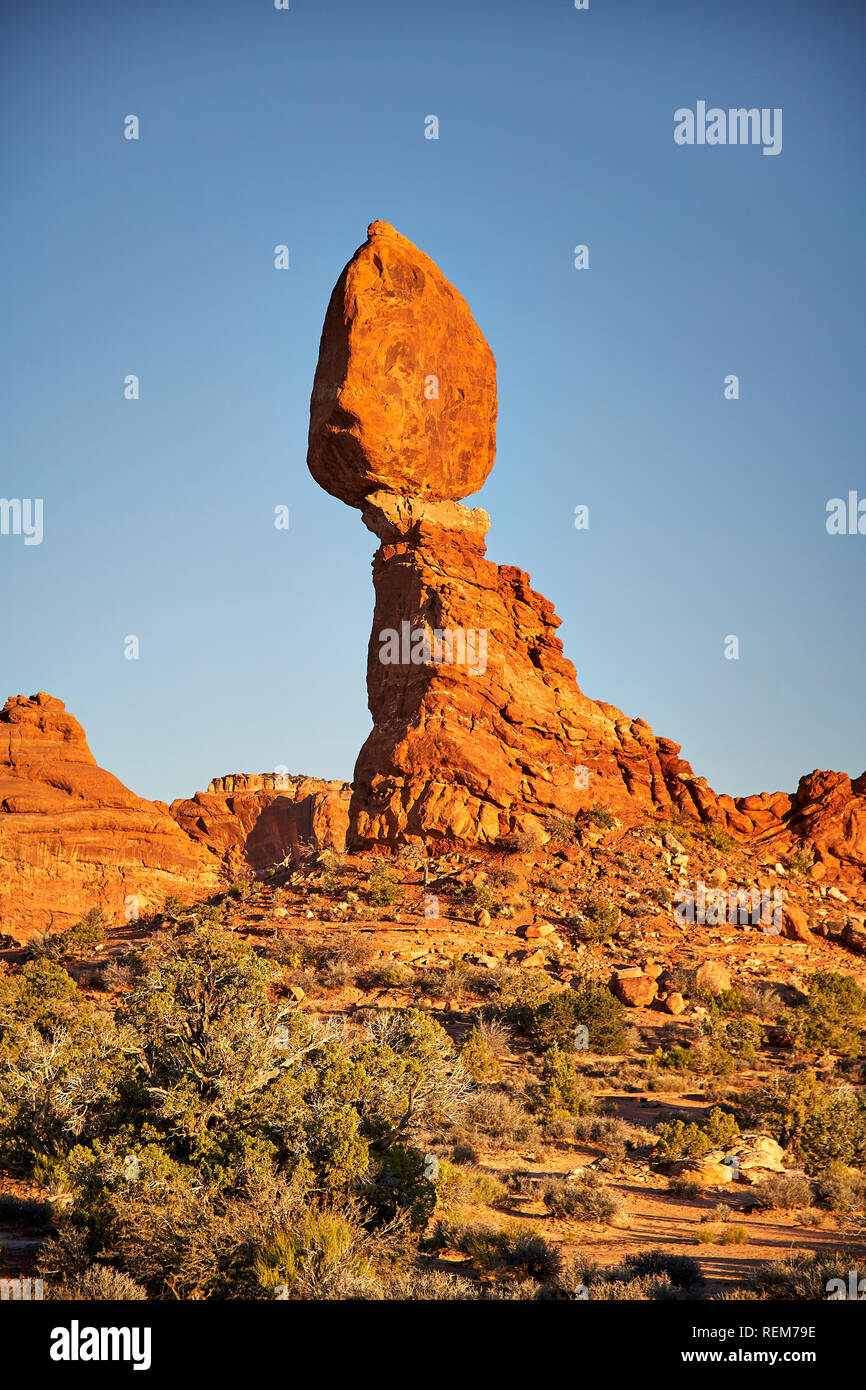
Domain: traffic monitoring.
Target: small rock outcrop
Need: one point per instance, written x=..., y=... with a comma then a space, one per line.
x=248, y=819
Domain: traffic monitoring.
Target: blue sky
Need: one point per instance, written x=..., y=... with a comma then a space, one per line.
x=259, y=127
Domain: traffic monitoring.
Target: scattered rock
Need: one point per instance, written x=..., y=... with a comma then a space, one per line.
x=854, y=938
x=796, y=923
x=636, y=992
x=712, y=978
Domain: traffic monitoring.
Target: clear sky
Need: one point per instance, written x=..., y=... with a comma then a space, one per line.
x=260, y=127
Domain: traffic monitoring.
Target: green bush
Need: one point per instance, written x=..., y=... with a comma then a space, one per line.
x=396, y=1183
x=832, y=1018
x=383, y=889
x=840, y=1188
x=562, y=1089
x=470, y=1186
x=599, y=922
x=41, y=995
x=556, y=1016
x=479, y=1058
x=818, y=1121
x=718, y=837
x=678, y=1140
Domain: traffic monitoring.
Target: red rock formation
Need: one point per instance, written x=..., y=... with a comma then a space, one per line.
x=405, y=391
x=72, y=836
x=479, y=726
x=246, y=819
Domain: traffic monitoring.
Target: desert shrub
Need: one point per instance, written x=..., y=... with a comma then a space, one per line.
x=705, y=1058
x=189, y=1129
x=61, y=1087
x=782, y=1191
x=586, y=1198
x=391, y=975
x=804, y=1274
x=818, y=1121
x=832, y=1018
x=721, y=1212
x=500, y=1117
x=718, y=837
x=678, y=1140
x=383, y=888
x=116, y=975
x=355, y=952
x=562, y=1089
x=101, y=1283
x=555, y=1018
x=396, y=1183
x=840, y=1188
x=510, y=1248
x=597, y=815
x=741, y=1038
x=685, y=1188
x=722, y=1235
x=41, y=995
x=612, y=1135
x=82, y=939
x=428, y=1286
x=599, y=921
x=467, y=1186
x=519, y=993
x=650, y=1288
x=525, y=841
x=479, y=1058
x=728, y=1001
x=561, y=829
x=303, y=1260
x=336, y=974
x=762, y=1000
x=801, y=859
x=496, y=1034
x=675, y=1058
x=682, y=1270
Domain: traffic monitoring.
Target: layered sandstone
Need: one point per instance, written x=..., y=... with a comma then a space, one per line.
x=73, y=837
x=479, y=726
x=250, y=819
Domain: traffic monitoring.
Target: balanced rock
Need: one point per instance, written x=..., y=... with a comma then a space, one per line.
x=480, y=730
x=404, y=396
